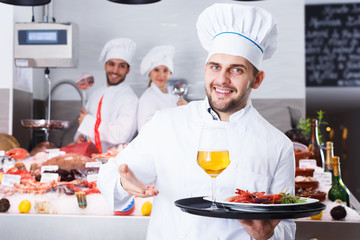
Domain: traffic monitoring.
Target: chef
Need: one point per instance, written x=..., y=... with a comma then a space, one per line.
x=158, y=66
x=237, y=39
x=110, y=114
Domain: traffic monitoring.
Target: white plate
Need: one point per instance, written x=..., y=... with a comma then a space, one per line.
x=223, y=201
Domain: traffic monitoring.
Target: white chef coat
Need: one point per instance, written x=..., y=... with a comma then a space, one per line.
x=152, y=100
x=118, y=115
x=165, y=151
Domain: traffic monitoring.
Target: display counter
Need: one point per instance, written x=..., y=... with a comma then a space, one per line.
x=77, y=227
x=60, y=227
x=68, y=219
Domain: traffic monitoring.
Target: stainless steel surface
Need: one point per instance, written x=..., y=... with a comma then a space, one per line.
x=44, y=124
x=47, y=77
x=180, y=89
x=81, y=92
x=44, y=226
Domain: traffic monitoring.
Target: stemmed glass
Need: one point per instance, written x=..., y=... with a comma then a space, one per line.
x=213, y=155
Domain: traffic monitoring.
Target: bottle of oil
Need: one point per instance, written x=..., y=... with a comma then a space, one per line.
x=329, y=156
x=338, y=190
x=314, y=146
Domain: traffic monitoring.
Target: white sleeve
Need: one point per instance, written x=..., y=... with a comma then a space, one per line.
x=285, y=230
x=284, y=180
x=146, y=110
x=138, y=155
x=109, y=185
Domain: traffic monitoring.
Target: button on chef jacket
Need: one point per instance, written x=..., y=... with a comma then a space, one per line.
x=152, y=100
x=165, y=152
x=118, y=115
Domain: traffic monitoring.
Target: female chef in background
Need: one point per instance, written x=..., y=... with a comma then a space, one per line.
x=158, y=65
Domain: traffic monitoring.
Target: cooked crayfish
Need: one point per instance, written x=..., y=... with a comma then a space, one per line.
x=254, y=197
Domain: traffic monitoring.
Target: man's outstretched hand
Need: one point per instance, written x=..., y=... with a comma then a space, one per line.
x=132, y=185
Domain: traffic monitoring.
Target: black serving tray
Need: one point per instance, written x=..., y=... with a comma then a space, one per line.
x=197, y=206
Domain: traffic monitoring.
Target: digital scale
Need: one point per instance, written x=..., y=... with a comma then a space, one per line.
x=46, y=45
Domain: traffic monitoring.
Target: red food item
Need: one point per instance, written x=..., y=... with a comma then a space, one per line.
x=85, y=148
x=17, y=153
x=255, y=197
x=22, y=172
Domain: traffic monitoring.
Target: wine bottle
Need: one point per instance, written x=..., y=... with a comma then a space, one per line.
x=329, y=156
x=338, y=190
x=314, y=146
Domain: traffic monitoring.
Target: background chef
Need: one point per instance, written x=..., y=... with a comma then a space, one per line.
x=158, y=66
x=110, y=114
x=237, y=39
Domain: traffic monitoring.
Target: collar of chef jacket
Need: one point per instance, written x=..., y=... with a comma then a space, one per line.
x=157, y=89
x=234, y=116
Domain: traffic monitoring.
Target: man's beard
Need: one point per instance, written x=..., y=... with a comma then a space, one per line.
x=114, y=84
x=234, y=104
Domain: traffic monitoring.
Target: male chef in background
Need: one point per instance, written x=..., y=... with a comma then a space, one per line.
x=237, y=39
x=110, y=114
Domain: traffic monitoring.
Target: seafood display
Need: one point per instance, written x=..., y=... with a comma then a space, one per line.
x=68, y=161
x=85, y=148
x=42, y=147
x=17, y=153
x=52, y=180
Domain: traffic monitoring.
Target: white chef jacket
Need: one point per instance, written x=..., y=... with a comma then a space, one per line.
x=165, y=152
x=152, y=100
x=118, y=115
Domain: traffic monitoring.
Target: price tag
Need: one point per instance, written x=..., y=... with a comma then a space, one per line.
x=324, y=178
x=93, y=164
x=10, y=179
x=91, y=177
x=49, y=177
x=51, y=168
x=307, y=163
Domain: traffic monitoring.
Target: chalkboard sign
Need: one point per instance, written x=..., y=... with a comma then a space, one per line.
x=332, y=34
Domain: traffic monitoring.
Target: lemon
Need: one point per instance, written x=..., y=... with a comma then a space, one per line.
x=24, y=206
x=1, y=176
x=317, y=217
x=146, y=208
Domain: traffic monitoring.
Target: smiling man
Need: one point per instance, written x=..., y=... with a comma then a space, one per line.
x=109, y=117
x=164, y=153
x=228, y=83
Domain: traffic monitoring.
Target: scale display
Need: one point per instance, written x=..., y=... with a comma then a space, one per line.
x=29, y=37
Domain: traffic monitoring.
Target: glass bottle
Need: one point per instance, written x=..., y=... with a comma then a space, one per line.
x=314, y=146
x=329, y=157
x=338, y=190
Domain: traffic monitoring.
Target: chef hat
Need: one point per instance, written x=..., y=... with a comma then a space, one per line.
x=238, y=30
x=157, y=56
x=120, y=48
